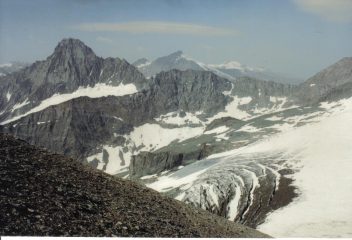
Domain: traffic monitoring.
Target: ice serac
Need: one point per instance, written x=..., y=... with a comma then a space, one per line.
x=281, y=163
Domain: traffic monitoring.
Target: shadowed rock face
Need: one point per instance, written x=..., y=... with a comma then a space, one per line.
x=192, y=90
x=148, y=163
x=49, y=194
x=326, y=83
x=72, y=65
x=81, y=125
x=77, y=127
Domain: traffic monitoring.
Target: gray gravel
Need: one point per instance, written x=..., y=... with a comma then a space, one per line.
x=48, y=194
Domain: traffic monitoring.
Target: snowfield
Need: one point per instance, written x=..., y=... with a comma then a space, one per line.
x=97, y=91
x=324, y=180
x=147, y=137
x=319, y=152
x=153, y=136
x=232, y=110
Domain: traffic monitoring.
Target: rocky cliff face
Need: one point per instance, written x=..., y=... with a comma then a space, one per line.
x=264, y=94
x=73, y=65
x=82, y=125
x=192, y=90
x=152, y=163
x=336, y=76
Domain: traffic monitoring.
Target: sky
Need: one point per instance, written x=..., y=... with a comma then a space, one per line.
x=294, y=37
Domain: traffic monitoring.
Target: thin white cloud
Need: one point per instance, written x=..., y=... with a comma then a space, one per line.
x=155, y=27
x=332, y=10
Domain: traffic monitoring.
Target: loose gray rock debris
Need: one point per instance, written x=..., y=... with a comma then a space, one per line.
x=42, y=193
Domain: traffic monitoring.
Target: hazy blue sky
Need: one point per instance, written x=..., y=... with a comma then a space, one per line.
x=296, y=37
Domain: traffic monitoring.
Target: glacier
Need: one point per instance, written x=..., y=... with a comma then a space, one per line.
x=319, y=157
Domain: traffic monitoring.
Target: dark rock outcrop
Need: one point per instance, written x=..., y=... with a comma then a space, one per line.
x=48, y=194
x=191, y=91
x=225, y=121
x=148, y=163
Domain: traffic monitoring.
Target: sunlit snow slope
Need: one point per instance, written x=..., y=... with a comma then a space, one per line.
x=97, y=91
x=323, y=208
x=319, y=156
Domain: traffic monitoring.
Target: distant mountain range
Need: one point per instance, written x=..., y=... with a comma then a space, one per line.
x=177, y=125
x=230, y=69
x=11, y=67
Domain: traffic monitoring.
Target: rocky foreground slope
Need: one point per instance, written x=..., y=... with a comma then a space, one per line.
x=49, y=194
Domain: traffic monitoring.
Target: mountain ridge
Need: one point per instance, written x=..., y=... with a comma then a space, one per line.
x=72, y=65
x=230, y=69
x=150, y=129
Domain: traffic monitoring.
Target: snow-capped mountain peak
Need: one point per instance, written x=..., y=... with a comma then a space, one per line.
x=6, y=65
x=7, y=68
x=229, y=65
x=229, y=69
x=177, y=60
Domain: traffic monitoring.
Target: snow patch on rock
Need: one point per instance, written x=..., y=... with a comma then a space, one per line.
x=97, y=91
x=153, y=136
